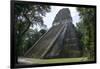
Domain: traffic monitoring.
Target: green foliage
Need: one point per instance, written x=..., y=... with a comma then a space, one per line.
x=42, y=31
x=26, y=17
x=30, y=38
x=87, y=27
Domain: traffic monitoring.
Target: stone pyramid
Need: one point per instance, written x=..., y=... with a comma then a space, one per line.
x=61, y=41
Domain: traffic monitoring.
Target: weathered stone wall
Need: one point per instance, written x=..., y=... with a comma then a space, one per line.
x=62, y=16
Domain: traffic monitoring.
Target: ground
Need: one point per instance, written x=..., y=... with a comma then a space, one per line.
x=50, y=61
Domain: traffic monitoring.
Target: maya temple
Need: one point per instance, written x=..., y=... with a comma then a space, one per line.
x=61, y=41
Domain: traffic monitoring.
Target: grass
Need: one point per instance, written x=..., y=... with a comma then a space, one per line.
x=60, y=60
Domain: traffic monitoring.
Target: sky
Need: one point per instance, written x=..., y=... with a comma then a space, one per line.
x=48, y=19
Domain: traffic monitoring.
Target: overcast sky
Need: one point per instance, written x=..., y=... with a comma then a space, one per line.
x=54, y=10
x=48, y=19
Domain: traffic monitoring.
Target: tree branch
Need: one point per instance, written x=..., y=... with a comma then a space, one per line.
x=27, y=26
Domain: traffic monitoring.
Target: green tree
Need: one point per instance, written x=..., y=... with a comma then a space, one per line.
x=42, y=31
x=26, y=16
x=87, y=27
x=30, y=38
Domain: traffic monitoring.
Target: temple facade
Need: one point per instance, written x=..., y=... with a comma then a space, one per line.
x=61, y=41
